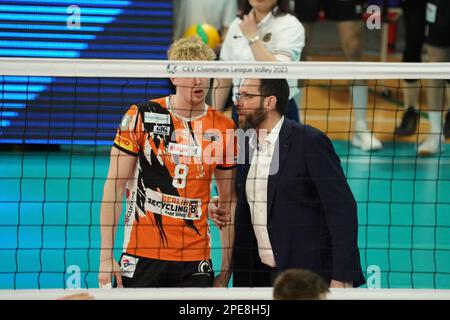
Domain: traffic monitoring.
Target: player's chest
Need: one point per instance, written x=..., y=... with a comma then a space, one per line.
x=181, y=142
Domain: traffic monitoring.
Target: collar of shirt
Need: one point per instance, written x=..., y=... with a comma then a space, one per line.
x=271, y=138
x=266, y=18
x=275, y=132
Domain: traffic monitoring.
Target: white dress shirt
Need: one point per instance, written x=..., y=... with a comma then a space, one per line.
x=256, y=190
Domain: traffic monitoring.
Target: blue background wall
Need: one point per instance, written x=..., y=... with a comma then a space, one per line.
x=48, y=110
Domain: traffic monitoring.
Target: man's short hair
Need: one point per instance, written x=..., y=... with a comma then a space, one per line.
x=190, y=49
x=278, y=88
x=299, y=284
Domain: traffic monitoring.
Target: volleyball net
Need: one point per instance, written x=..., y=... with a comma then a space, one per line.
x=51, y=196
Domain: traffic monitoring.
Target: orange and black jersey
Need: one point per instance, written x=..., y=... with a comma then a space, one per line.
x=168, y=196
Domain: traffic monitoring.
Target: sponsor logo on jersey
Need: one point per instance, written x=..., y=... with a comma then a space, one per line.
x=173, y=206
x=128, y=265
x=162, y=130
x=130, y=204
x=184, y=150
x=124, y=143
x=151, y=117
x=204, y=267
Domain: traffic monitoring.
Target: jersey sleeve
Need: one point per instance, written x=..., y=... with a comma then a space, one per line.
x=130, y=133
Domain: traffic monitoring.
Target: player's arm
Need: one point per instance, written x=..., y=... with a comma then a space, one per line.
x=121, y=167
x=226, y=207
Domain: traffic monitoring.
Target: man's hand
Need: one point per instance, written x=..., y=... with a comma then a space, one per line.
x=219, y=216
x=248, y=25
x=109, y=268
x=339, y=284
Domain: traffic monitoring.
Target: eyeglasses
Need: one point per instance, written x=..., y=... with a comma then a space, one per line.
x=245, y=96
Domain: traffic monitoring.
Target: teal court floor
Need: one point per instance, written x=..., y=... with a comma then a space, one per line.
x=50, y=202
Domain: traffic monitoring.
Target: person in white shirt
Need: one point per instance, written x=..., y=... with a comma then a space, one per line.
x=265, y=31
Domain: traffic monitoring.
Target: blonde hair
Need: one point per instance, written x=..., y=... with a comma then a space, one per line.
x=190, y=49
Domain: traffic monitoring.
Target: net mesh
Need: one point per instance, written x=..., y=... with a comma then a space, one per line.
x=51, y=197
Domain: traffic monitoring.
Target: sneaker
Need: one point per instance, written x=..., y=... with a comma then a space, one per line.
x=409, y=123
x=446, y=128
x=366, y=141
x=432, y=145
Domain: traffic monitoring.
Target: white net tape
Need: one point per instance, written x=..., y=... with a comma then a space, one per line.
x=222, y=294
x=217, y=69
x=302, y=70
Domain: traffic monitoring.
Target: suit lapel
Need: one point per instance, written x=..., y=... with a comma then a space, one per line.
x=249, y=150
x=278, y=160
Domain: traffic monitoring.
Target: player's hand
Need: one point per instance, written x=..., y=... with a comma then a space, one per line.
x=248, y=25
x=219, y=216
x=340, y=284
x=109, y=268
x=221, y=280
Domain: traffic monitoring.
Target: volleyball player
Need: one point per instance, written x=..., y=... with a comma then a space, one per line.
x=160, y=160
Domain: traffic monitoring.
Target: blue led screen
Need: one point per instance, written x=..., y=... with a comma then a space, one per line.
x=48, y=110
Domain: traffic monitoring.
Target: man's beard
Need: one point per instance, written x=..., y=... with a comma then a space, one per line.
x=254, y=119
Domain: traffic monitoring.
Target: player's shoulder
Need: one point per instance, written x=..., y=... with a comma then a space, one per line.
x=158, y=105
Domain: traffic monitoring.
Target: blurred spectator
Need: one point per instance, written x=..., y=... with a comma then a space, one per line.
x=218, y=13
x=437, y=39
x=348, y=15
x=299, y=284
x=266, y=30
x=414, y=19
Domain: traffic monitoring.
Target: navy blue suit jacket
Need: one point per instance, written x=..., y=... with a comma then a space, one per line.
x=312, y=215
